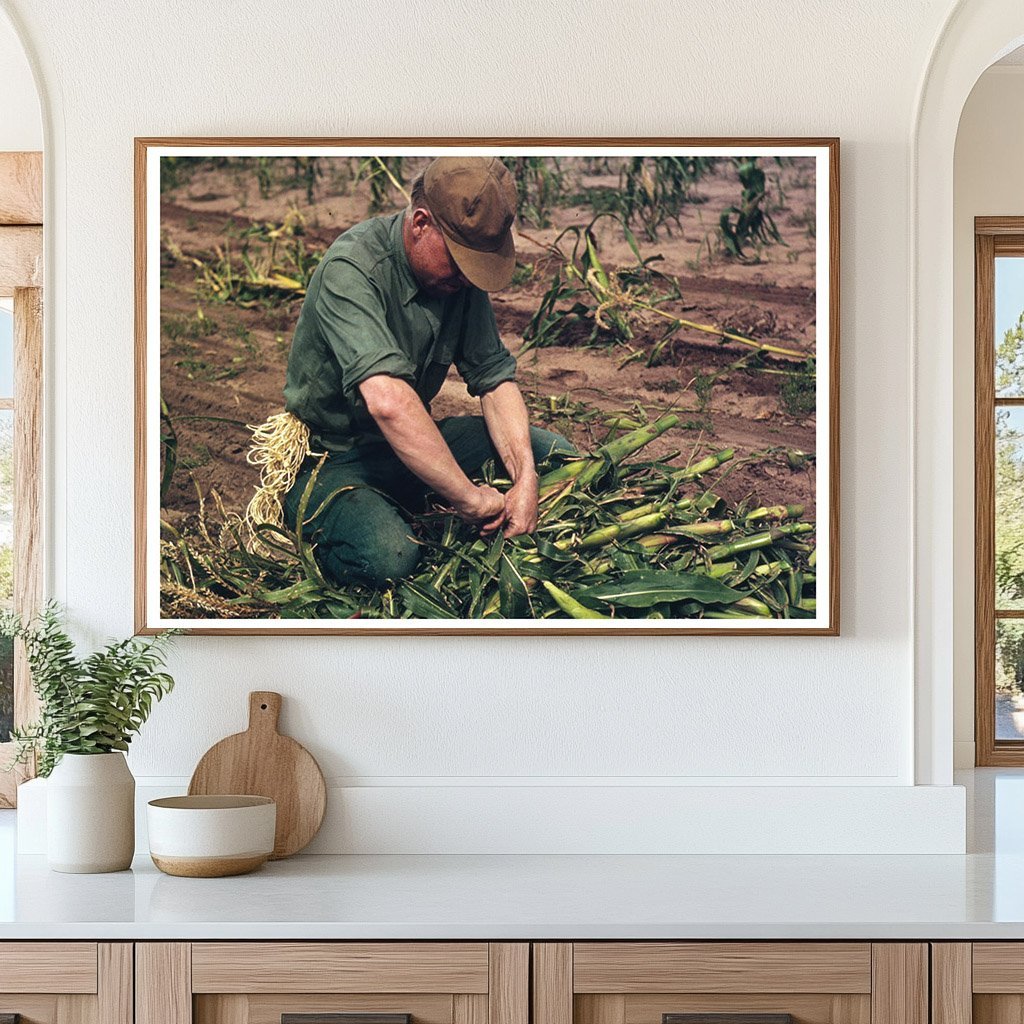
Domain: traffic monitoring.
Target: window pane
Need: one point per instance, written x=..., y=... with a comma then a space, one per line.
x=6, y=352
x=1009, y=322
x=6, y=567
x=6, y=690
x=1009, y=679
x=1009, y=508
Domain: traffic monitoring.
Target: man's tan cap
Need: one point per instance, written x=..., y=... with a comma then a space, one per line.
x=473, y=202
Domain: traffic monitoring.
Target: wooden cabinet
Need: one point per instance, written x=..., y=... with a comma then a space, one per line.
x=977, y=983
x=301, y=982
x=510, y=983
x=66, y=982
x=748, y=982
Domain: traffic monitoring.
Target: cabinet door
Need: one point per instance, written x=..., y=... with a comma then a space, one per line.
x=66, y=982
x=332, y=983
x=730, y=983
x=981, y=982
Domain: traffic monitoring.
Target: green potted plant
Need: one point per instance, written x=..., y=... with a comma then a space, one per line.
x=90, y=708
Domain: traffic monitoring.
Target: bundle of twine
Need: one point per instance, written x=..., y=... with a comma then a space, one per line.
x=279, y=447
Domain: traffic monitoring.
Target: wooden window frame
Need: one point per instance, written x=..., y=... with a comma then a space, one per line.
x=21, y=278
x=993, y=237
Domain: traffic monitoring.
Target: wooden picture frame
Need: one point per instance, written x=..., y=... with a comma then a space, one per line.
x=819, y=230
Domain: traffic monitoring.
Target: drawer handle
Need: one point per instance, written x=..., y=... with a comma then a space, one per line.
x=727, y=1018
x=340, y=1018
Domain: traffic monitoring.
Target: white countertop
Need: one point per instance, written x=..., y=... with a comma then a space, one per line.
x=533, y=897
x=976, y=896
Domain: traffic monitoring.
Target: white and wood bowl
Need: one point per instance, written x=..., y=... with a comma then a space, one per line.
x=211, y=836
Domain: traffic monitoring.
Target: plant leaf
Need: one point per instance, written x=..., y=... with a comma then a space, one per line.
x=646, y=588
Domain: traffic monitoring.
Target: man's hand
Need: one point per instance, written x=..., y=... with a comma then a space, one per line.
x=521, y=507
x=483, y=506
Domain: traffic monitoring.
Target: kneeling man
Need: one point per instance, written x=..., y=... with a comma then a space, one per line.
x=395, y=302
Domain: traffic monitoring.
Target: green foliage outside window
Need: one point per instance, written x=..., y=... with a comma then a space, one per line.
x=1009, y=508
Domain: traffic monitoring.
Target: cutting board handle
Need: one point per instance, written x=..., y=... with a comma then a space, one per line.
x=264, y=710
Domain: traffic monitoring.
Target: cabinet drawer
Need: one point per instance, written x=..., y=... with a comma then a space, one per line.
x=721, y=967
x=998, y=968
x=61, y=982
x=69, y=967
x=340, y=967
x=307, y=982
x=733, y=982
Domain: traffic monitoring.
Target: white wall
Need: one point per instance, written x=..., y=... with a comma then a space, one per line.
x=988, y=181
x=422, y=714
x=21, y=126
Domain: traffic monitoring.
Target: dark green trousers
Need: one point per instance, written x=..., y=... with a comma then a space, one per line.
x=364, y=534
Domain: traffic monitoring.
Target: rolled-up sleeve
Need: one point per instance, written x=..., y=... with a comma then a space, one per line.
x=482, y=359
x=351, y=316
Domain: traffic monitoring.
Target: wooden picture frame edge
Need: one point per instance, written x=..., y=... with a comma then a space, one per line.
x=143, y=143
x=141, y=627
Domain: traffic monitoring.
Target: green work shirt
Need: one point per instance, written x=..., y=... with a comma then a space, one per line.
x=363, y=315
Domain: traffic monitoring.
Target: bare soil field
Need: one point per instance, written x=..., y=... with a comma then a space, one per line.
x=223, y=364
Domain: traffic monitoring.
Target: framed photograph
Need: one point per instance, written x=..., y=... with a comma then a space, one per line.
x=499, y=386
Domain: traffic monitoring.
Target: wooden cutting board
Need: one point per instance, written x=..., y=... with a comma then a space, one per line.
x=262, y=762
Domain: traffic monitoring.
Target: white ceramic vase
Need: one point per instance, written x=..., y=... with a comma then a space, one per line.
x=90, y=814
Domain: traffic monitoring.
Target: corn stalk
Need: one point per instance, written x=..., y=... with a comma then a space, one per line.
x=619, y=304
x=617, y=538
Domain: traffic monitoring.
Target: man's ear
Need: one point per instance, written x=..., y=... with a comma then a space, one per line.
x=421, y=220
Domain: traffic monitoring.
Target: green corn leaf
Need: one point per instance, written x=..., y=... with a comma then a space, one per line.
x=514, y=596
x=632, y=242
x=749, y=567
x=288, y=594
x=424, y=604
x=550, y=552
x=646, y=588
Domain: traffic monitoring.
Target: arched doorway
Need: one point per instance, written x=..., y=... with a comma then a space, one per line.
x=977, y=33
x=987, y=184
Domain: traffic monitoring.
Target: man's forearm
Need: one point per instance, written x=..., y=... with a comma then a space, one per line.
x=509, y=428
x=508, y=425
x=408, y=428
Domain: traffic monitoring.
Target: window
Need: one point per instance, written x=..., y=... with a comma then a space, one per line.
x=21, y=364
x=6, y=511
x=999, y=490
x=20, y=490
